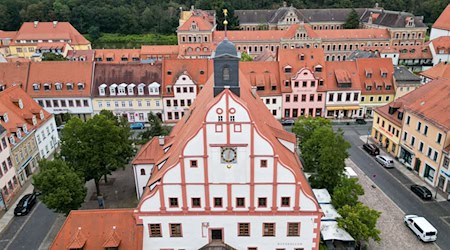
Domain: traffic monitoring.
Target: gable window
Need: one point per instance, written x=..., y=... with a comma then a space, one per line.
x=285, y=201
x=293, y=229
x=262, y=202
x=155, y=230
x=264, y=163
x=244, y=229
x=196, y=202
x=142, y=171
x=226, y=73
x=268, y=229
x=175, y=230
x=173, y=202
x=217, y=202
x=193, y=163
x=240, y=202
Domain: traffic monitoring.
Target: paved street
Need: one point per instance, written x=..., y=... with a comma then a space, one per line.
x=396, y=186
x=29, y=231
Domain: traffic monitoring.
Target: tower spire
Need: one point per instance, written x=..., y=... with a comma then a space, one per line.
x=225, y=22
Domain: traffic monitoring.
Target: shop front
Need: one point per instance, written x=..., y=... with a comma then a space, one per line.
x=406, y=156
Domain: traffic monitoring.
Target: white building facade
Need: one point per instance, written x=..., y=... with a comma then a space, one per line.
x=47, y=137
x=185, y=91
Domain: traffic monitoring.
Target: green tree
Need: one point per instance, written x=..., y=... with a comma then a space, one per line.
x=305, y=126
x=352, y=21
x=53, y=57
x=360, y=222
x=4, y=16
x=246, y=57
x=156, y=128
x=94, y=33
x=346, y=193
x=96, y=147
x=324, y=154
x=61, y=187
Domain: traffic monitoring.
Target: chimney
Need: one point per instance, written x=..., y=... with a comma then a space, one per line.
x=36, y=23
x=161, y=140
x=55, y=23
x=254, y=91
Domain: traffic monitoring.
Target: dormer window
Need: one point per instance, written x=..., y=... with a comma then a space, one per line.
x=102, y=89
x=112, y=89
x=141, y=89
x=58, y=86
x=69, y=86
x=24, y=128
x=131, y=89
x=153, y=88
x=34, y=120
x=318, y=68
x=18, y=134
x=20, y=104
x=5, y=117
x=121, y=89
x=288, y=69
x=226, y=73
x=12, y=140
x=193, y=25
x=41, y=115
x=36, y=86
x=302, y=57
x=47, y=86
x=383, y=74
x=80, y=86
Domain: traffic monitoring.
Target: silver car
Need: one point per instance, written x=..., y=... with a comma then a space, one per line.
x=385, y=161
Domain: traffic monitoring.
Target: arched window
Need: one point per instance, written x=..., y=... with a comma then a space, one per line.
x=226, y=73
x=142, y=171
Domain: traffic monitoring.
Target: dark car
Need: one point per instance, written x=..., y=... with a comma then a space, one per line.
x=422, y=192
x=371, y=149
x=25, y=204
x=360, y=121
x=287, y=122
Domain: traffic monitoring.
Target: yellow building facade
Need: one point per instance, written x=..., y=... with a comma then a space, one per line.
x=371, y=101
x=386, y=131
x=134, y=109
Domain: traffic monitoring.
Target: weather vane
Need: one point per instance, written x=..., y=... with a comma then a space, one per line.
x=225, y=22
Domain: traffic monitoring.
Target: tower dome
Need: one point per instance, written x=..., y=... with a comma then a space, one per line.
x=226, y=48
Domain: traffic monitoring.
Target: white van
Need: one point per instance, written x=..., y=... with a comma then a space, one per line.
x=421, y=227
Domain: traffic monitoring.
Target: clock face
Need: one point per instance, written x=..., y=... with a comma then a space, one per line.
x=228, y=155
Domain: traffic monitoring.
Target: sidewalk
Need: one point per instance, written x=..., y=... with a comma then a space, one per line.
x=410, y=174
x=6, y=217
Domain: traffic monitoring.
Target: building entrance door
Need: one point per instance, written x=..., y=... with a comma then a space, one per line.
x=417, y=165
x=217, y=235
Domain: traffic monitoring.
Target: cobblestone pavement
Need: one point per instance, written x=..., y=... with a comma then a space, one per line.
x=394, y=234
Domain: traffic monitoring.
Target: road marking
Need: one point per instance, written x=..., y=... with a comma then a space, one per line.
x=21, y=227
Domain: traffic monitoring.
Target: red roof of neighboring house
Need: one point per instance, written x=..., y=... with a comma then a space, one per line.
x=98, y=229
x=263, y=120
x=441, y=70
x=50, y=31
x=7, y=34
x=405, y=52
x=17, y=117
x=199, y=70
x=334, y=69
x=441, y=43
x=353, y=34
x=58, y=45
x=149, y=153
x=430, y=102
x=201, y=23
x=80, y=55
x=443, y=22
x=14, y=73
x=159, y=50
x=64, y=72
x=377, y=66
x=262, y=74
x=116, y=55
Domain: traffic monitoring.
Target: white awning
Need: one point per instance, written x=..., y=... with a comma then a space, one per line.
x=330, y=213
x=330, y=231
x=322, y=195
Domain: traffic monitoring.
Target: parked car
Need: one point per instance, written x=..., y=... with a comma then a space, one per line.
x=421, y=227
x=386, y=161
x=287, y=122
x=360, y=121
x=25, y=204
x=422, y=191
x=59, y=128
x=137, y=125
x=371, y=148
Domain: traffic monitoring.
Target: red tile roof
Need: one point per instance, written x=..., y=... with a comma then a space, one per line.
x=149, y=153
x=116, y=55
x=353, y=34
x=50, y=31
x=441, y=43
x=7, y=34
x=97, y=229
x=264, y=121
x=76, y=55
x=430, y=102
x=17, y=117
x=334, y=67
x=443, y=22
x=377, y=66
x=441, y=70
x=262, y=74
x=57, y=45
x=243, y=35
x=63, y=72
x=201, y=21
x=14, y=73
x=199, y=70
x=159, y=50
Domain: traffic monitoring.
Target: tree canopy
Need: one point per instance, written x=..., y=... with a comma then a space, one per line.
x=156, y=128
x=305, y=126
x=352, y=21
x=53, y=57
x=61, y=187
x=96, y=147
x=346, y=193
x=360, y=222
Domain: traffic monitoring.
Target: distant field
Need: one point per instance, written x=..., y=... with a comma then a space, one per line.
x=119, y=41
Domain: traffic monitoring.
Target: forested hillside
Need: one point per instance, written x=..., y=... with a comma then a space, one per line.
x=161, y=16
